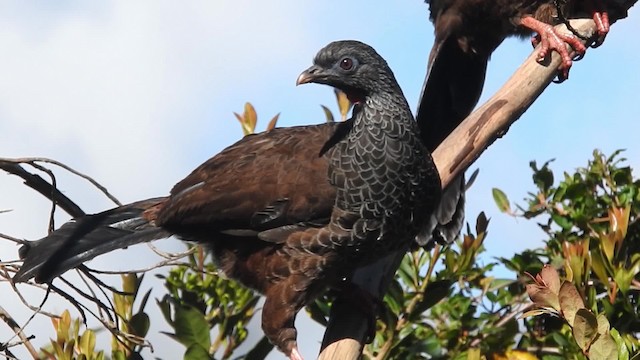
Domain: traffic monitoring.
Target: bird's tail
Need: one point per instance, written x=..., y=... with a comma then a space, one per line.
x=84, y=238
x=450, y=91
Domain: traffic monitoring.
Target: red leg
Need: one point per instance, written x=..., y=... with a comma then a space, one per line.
x=600, y=16
x=550, y=39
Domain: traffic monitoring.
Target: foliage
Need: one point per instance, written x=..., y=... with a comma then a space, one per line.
x=249, y=119
x=128, y=334
x=200, y=300
x=444, y=303
x=69, y=343
x=591, y=220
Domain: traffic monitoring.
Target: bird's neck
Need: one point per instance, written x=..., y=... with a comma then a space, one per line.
x=383, y=111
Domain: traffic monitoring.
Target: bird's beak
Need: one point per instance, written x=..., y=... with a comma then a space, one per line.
x=309, y=75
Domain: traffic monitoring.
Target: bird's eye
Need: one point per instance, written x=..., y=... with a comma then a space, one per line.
x=346, y=63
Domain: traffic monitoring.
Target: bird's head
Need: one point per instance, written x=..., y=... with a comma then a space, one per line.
x=351, y=66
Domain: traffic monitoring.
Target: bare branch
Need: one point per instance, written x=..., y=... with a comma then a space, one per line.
x=8, y=319
x=42, y=186
x=34, y=160
x=14, y=239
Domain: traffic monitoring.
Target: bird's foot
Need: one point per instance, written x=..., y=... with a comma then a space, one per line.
x=550, y=39
x=601, y=18
x=295, y=354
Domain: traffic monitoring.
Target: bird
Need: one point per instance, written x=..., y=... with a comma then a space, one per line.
x=287, y=212
x=477, y=28
x=466, y=34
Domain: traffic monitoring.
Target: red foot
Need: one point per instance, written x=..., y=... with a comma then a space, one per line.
x=552, y=40
x=602, y=22
x=600, y=17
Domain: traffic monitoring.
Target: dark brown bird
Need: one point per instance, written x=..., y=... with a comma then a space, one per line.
x=466, y=34
x=290, y=211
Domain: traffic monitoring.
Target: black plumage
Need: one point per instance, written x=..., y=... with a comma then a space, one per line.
x=466, y=34
x=287, y=212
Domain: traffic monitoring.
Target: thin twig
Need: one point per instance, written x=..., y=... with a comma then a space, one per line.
x=8, y=319
x=33, y=160
x=14, y=239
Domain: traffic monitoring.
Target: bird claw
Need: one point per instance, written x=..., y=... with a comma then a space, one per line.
x=601, y=18
x=295, y=354
x=549, y=39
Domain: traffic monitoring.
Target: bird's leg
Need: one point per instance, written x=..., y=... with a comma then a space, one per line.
x=550, y=39
x=600, y=17
x=283, y=301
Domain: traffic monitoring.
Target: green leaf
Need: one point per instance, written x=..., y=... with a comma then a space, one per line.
x=599, y=267
x=143, y=303
x=497, y=284
x=88, y=342
x=501, y=200
x=473, y=354
x=139, y=324
x=191, y=327
x=196, y=352
x=319, y=311
x=165, y=308
x=435, y=291
x=129, y=284
x=118, y=355
x=585, y=328
x=562, y=221
x=482, y=223
x=623, y=351
x=543, y=178
x=624, y=277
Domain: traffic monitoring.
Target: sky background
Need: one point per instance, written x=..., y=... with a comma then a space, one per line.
x=137, y=94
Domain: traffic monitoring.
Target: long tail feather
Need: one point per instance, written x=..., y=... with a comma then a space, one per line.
x=83, y=239
x=451, y=90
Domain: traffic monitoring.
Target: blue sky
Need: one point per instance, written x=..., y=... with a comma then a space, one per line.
x=137, y=94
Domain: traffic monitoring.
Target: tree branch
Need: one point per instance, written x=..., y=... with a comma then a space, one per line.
x=8, y=319
x=347, y=329
x=42, y=186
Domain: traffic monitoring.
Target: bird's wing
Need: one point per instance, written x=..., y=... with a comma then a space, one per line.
x=262, y=182
x=265, y=181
